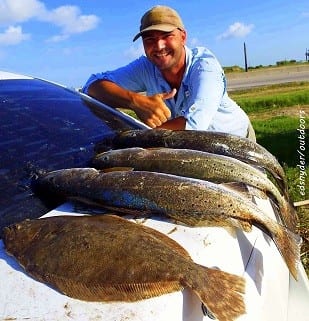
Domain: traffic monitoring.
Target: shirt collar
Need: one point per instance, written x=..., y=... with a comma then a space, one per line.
x=188, y=62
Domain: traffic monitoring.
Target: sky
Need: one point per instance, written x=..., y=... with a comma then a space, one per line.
x=65, y=41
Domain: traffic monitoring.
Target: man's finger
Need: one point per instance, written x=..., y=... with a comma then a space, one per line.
x=170, y=94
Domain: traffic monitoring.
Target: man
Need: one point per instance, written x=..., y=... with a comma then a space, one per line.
x=185, y=88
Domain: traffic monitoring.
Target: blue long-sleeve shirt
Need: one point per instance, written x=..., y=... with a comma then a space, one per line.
x=202, y=97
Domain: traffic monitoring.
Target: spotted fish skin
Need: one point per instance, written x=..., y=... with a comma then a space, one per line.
x=208, y=141
x=196, y=164
x=108, y=258
x=190, y=201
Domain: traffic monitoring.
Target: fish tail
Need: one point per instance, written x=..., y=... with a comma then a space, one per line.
x=288, y=244
x=221, y=292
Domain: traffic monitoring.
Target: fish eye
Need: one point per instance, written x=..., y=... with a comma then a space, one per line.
x=105, y=158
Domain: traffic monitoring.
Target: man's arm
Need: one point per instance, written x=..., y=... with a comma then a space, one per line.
x=150, y=109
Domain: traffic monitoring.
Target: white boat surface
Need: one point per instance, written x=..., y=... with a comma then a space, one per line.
x=271, y=294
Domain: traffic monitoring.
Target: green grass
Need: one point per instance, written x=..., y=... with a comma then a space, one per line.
x=272, y=97
x=274, y=101
x=279, y=135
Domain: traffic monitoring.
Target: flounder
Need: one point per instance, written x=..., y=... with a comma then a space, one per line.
x=108, y=258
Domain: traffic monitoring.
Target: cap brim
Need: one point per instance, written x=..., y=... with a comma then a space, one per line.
x=160, y=27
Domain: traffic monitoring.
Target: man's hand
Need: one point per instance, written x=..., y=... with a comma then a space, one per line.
x=152, y=110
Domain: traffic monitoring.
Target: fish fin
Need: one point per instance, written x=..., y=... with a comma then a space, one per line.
x=294, y=216
x=258, y=167
x=257, y=192
x=221, y=292
x=228, y=223
x=233, y=223
x=285, y=213
x=173, y=245
x=131, y=292
x=94, y=291
x=282, y=184
x=289, y=216
x=238, y=187
x=286, y=194
x=124, y=210
x=288, y=244
x=277, y=173
x=246, y=190
x=116, y=169
x=244, y=225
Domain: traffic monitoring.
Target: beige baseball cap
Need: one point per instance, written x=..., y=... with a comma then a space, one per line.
x=160, y=18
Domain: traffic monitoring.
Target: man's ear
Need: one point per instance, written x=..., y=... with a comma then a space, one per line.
x=184, y=36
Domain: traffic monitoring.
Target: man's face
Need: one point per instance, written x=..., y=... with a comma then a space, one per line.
x=165, y=49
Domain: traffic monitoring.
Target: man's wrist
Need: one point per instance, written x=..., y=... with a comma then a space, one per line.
x=134, y=100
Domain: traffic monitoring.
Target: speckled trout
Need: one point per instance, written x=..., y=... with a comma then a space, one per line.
x=191, y=201
x=196, y=164
x=207, y=141
x=108, y=258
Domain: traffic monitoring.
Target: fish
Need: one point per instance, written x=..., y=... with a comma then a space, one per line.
x=208, y=141
x=196, y=164
x=108, y=258
x=190, y=201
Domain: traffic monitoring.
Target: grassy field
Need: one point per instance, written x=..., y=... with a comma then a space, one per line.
x=278, y=114
x=272, y=97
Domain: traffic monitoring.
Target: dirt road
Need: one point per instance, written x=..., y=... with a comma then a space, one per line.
x=260, y=77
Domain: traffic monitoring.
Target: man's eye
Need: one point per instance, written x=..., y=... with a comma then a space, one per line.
x=149, y=40
x=169, y=36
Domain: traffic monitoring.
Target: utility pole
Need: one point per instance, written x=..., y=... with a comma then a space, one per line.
x=245, y=54
x=307, y=55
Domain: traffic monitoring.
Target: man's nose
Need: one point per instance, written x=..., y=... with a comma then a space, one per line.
x=160, y=44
